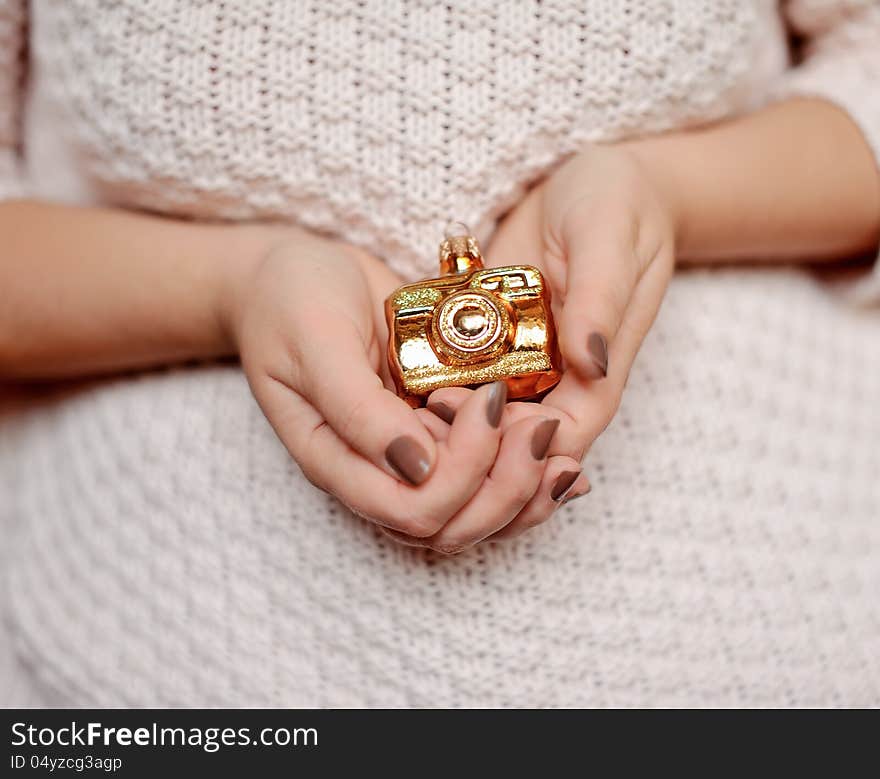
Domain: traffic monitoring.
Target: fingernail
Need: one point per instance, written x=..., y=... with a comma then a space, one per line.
x=569, y=498
x=542, y=436
x=598, y=348
x=440, y=409
x=495, y=404
x=563, y=484
x=409, y=459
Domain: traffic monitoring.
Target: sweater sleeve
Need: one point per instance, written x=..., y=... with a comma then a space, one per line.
x=12, y=52
x=840, y=61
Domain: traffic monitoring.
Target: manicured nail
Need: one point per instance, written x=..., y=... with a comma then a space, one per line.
x=542, y=436
x=598, y=348
x=495, y=404
x=440, y=409
x=409, y=459
x=569, y=498
x=563, y=484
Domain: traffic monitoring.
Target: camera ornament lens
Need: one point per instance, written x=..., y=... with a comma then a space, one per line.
x=470, y=321
x=471, y=325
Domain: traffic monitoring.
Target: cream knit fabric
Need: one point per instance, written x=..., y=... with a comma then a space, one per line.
x=164, y=549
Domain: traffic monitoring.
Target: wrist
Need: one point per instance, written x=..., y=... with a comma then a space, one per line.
x=659, y=164
x=792, y=181
x=245, y=248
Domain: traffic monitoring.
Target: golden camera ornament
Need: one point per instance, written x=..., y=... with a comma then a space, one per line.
x=471, y=326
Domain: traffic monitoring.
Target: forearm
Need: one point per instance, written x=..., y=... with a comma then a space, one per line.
x=87, y=290
x=793, y=181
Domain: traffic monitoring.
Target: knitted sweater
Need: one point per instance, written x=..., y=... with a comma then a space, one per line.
x=163, y=549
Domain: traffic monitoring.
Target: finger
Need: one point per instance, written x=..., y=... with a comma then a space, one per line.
x=468, y=452
x=641, y=313
x=444, y=411
x=330, y=464
x=331, y=370
x=581, y=487
x=434, y=424
x=518, y=239
x=568, y=438
x=509, y=486
x=603, y=269
x=562, y=477
x=444, y=403
x=587, y=407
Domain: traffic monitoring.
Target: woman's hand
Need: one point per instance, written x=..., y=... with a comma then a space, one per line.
x=603, y=234
x=309, y=323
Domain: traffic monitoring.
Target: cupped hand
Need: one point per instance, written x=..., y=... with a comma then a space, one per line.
x=309, y=323
x=603, y=234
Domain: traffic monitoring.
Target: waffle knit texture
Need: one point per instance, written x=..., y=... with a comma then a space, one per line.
x=160, y=546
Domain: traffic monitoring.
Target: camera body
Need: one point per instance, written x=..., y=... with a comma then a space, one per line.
x=471, y=326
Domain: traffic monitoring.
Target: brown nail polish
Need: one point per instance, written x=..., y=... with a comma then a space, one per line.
x=409, y=459
x=442, y=410
x=495, y=404
x=563, y=484
x=598, y=348
x=569, y=498
x=542, y=436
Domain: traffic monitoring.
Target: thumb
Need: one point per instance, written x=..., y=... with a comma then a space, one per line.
x=334, y=374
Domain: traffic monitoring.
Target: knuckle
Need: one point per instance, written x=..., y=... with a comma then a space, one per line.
x=355, y=418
